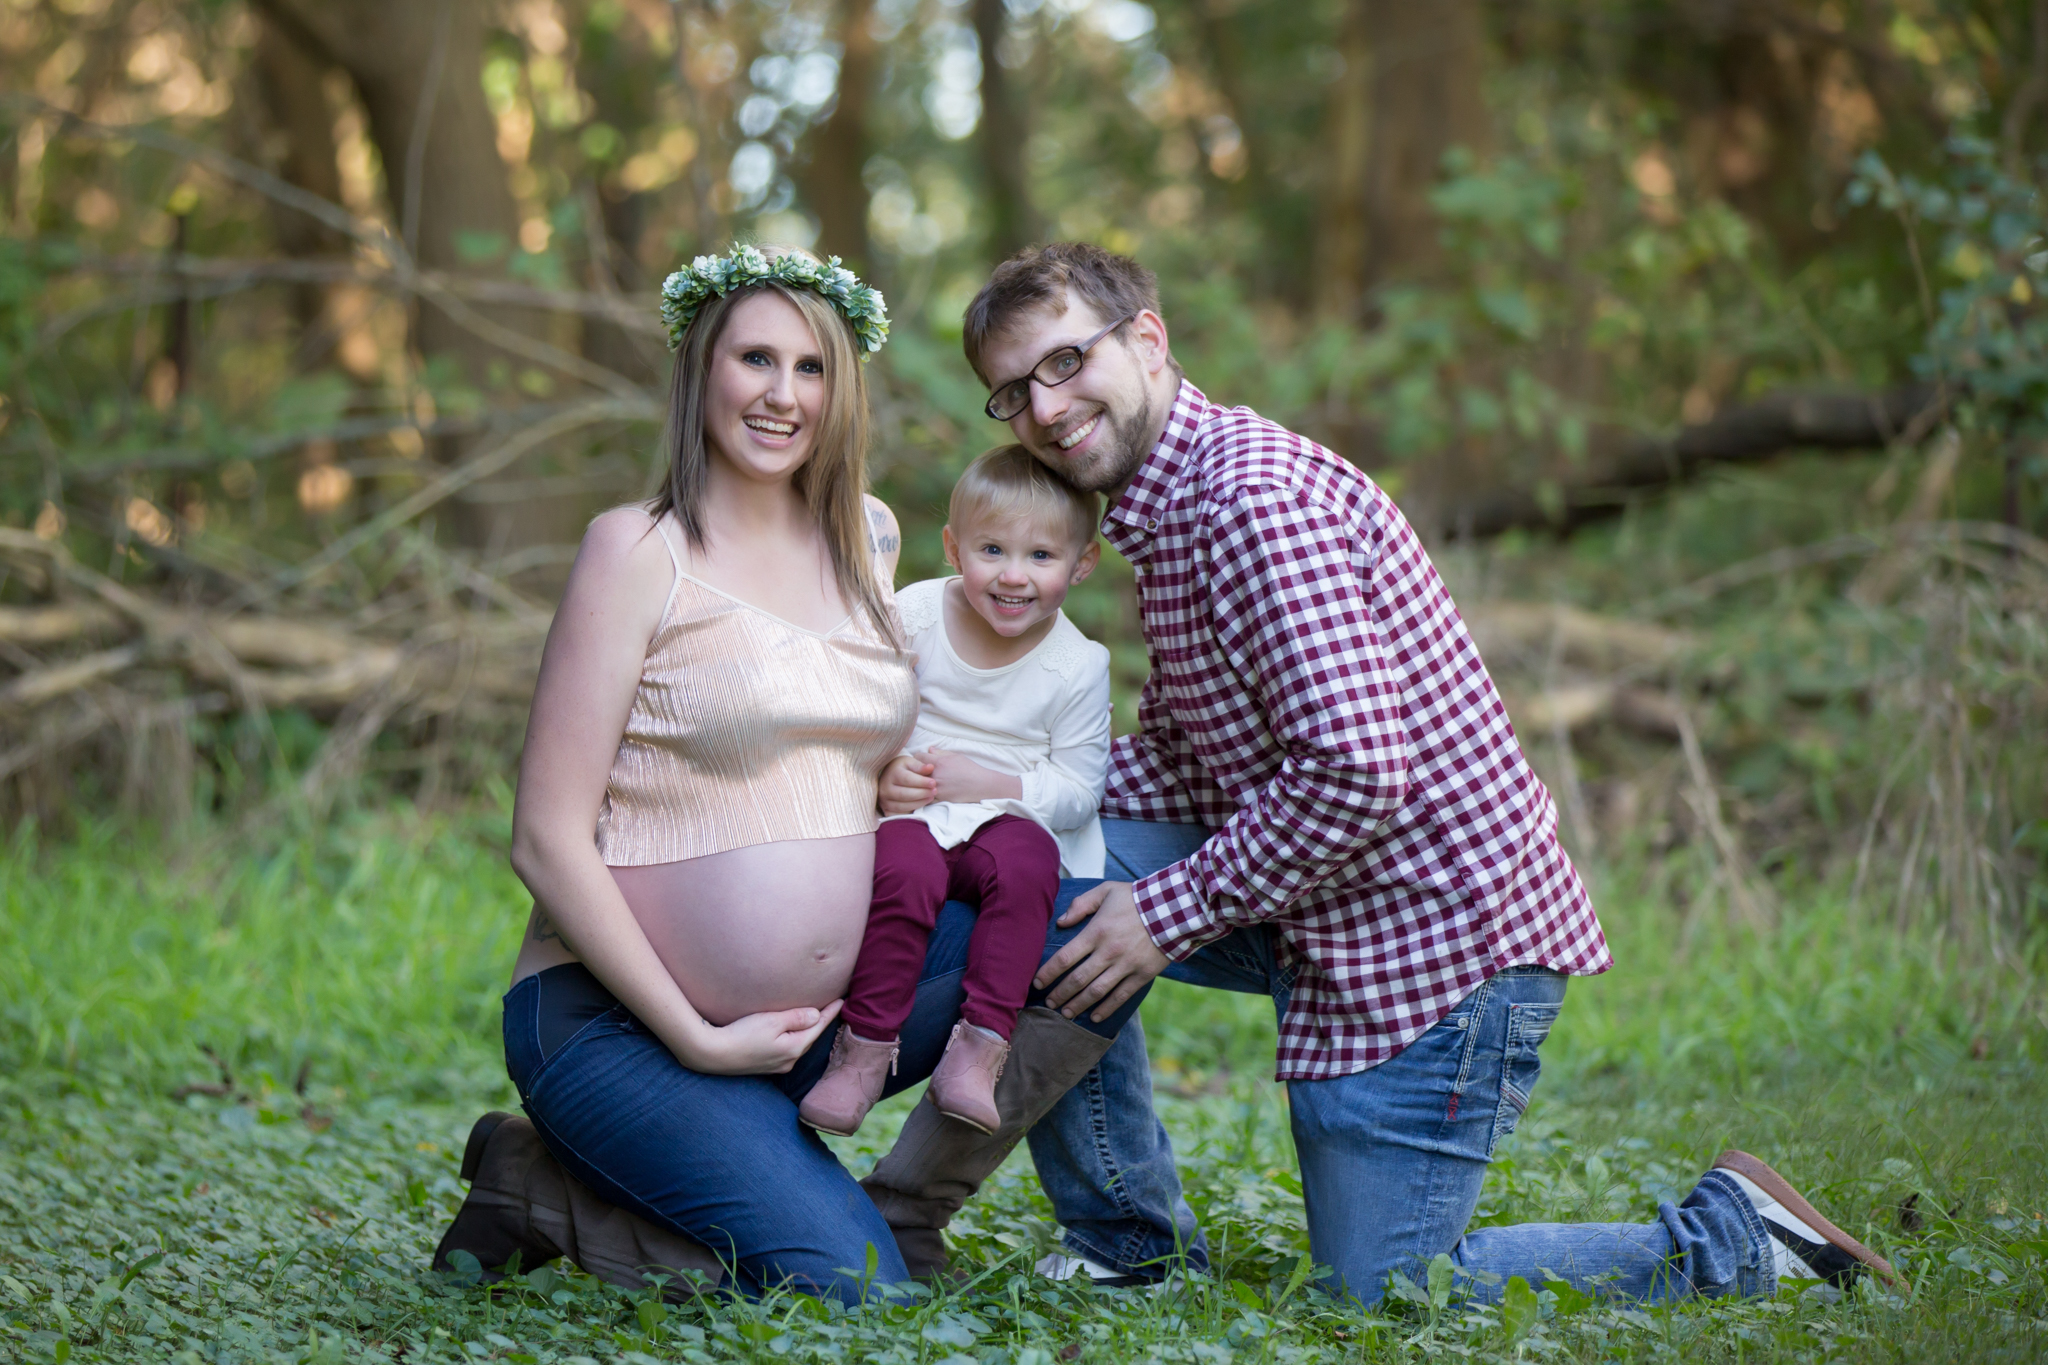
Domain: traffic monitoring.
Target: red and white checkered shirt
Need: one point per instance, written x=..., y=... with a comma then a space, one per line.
x=1316, y=698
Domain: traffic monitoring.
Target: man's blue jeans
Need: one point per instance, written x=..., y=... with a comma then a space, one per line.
x=723, y=1158
x=1392, y=1158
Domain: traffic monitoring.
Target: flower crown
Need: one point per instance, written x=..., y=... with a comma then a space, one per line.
x=686, y=291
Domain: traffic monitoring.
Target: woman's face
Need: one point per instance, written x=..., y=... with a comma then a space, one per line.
x=767, y=390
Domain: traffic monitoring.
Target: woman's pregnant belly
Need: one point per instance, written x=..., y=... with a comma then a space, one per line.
x=768, y=927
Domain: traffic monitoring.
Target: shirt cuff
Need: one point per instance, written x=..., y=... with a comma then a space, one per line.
x=1030, y=790
x=1173, y=912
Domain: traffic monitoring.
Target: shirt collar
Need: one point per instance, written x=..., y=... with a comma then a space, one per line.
x=1131, y=524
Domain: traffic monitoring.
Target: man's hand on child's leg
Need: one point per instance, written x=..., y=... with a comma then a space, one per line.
x=1109, y=961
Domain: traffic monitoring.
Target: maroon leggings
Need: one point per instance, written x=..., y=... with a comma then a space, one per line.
x=1011, y=867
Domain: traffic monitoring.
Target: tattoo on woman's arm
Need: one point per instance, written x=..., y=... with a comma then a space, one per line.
x=883, y=535
x=544, y=930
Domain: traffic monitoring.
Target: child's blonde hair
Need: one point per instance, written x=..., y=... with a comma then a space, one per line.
x=1009, y=481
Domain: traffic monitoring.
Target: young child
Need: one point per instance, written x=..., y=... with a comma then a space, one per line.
x=995, y=797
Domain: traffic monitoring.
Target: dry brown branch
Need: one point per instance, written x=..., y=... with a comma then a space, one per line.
x=1880, y=577
x=1795, y=557
x=1574, y=706
x=1602, y=643
x=478, y=466
x=1648, y=713
x=633, y=312
x=172, y=458
x=92, y=719
x=341, y=757
x=55, y=625
x=532, y=348
x=335, y=684
x=1584, y=838
x=34, y=688
x=1562, y=707
x=1747, y=895
x=286, y=644
x=370, y=234
x=403, y=274
x=1791, y=420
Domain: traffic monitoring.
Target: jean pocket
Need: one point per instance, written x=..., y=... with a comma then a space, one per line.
x=1528, y=1025
x=616, y=1020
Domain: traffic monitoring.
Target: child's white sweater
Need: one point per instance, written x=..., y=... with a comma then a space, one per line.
x=1044, y=717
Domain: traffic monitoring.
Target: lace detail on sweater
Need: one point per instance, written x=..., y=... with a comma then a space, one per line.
x=1064, y=651
x=921, y=604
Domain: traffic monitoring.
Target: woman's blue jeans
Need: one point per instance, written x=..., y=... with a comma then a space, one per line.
x=1392, y=1158
x=723, y=1158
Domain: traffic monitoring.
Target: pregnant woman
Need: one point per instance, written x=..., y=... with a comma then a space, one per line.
x=696, y=814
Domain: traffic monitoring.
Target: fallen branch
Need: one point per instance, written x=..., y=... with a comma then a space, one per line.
x=1880, y=577
x=2017, y=543
x=1794, y=420
x=1749, y=895
x=55, y=625
x=481, y=465
x=41, y=685
x=1575, y=706
x=1602, y=643
x=78, y=728
x=369, y=233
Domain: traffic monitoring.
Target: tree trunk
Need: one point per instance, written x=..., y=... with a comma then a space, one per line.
x=1253, y=189
x=617, y=223
x=1340, y=227
x=832, y=180
x=2019, y=110
x=624, y=81
x=1013, y=224
x=417, y=67
x=289, y=82
x=1427, y=60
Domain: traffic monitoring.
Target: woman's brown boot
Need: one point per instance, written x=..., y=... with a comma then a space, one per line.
x=522, y=1201
x=852, y=1082
x=964, y=1085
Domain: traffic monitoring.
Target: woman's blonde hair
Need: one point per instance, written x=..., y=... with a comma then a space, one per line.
x=1010, y=481
x=835, y=477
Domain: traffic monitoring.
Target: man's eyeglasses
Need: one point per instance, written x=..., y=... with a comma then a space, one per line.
x=1056, y=369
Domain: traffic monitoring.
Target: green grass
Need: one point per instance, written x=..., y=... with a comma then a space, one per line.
x=289, y=1221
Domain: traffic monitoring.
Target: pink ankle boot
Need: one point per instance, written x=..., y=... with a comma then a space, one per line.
x=964, y=1086
x=851, y=1084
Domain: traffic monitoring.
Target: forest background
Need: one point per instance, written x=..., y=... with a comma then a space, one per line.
x=1702, y=339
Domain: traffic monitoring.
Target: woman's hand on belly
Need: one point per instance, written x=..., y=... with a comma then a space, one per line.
x=768, y=1043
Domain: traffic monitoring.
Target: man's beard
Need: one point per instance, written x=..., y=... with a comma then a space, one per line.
x=1118, y=451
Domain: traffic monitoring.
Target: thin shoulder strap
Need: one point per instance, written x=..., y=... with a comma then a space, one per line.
x=667, y=528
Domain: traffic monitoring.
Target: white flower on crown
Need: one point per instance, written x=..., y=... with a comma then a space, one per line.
x=686, y=291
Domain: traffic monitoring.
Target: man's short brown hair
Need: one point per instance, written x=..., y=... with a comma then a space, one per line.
x=1038, y=277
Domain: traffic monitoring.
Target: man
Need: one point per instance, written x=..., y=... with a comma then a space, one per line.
x=1325, y=803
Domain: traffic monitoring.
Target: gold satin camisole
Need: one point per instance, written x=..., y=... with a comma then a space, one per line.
x=749, y=729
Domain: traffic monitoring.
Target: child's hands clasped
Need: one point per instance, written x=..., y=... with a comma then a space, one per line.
x=914, y=780
x=907, y=785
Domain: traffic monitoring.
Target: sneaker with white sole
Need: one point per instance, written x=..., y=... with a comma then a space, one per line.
x=1804, y=1245
x=1060, y=1266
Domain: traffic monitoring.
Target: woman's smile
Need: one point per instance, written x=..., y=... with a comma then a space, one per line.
x=778, y=431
